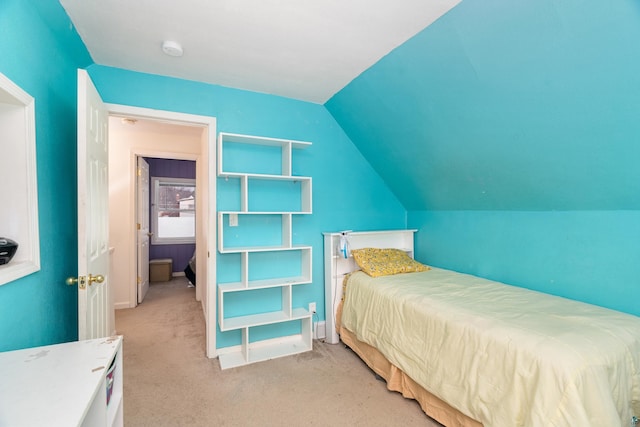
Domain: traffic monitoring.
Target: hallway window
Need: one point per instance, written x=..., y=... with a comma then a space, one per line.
x=173, y=210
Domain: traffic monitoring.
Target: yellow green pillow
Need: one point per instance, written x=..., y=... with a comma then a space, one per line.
x=385, y=262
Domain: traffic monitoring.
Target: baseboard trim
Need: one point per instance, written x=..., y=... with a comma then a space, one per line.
x=121, y=305
x=319, y=330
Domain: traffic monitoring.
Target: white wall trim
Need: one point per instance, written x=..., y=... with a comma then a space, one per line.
x=121, y=305
x=319, y=330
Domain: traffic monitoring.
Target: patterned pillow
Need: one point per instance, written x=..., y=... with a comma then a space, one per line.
x=385, y=262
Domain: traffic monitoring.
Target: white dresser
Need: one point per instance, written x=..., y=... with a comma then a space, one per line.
x=62, y=385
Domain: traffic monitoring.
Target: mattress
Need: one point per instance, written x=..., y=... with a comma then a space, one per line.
x=502, y=355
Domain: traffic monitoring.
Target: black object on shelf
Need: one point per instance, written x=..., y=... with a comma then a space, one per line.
x=8, y=249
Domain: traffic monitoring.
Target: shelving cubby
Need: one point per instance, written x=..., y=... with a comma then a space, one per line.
x=260, y=232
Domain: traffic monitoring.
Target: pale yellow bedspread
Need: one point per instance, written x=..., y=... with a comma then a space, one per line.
x=503, y=355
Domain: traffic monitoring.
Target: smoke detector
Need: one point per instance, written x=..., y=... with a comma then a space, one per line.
x=172, y=48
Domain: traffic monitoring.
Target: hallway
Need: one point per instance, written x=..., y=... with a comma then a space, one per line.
x=164, y=356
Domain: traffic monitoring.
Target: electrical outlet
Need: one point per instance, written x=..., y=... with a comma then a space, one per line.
x=312, y=307
x=233, y=220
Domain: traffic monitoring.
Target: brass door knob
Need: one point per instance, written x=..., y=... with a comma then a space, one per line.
x=82, y=281
x=98, y=279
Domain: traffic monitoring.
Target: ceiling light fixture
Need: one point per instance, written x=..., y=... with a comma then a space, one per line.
x=129, y=121
x=172, y=48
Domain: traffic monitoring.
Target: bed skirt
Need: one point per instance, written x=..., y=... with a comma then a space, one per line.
x=400, y=382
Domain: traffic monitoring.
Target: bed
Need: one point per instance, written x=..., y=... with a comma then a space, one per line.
x=476, y=352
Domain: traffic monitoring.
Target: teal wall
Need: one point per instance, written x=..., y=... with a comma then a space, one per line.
x=506, y=105
x=590, y=256
x=40, y=53
x=509, y=131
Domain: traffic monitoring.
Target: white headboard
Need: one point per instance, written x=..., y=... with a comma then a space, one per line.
x=336, y=266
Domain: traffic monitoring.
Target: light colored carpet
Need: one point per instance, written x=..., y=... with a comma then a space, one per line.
x=168, y=381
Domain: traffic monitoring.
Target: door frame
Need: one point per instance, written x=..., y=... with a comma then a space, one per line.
x=142, y=233
x=206, y=210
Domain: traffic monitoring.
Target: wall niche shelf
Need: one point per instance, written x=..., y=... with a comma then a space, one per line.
x=270, y=196
x=18, y=173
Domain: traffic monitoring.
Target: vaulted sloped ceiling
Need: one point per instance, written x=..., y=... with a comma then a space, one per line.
x=503, y=105
x=302, y=49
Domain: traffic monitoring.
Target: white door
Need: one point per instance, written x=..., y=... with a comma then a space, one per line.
x=142, y=209
x=93, y=212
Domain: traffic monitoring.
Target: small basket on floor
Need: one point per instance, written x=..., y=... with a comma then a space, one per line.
x=160, y=270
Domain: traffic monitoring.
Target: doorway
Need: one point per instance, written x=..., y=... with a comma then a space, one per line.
x=167, y=194
x=137, y=132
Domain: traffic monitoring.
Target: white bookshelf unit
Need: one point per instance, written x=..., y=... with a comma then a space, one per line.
x=269, y=215
x=63, y=385
x=336, y=266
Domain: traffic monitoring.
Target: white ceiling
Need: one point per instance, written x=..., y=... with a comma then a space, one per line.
x=301, y=49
